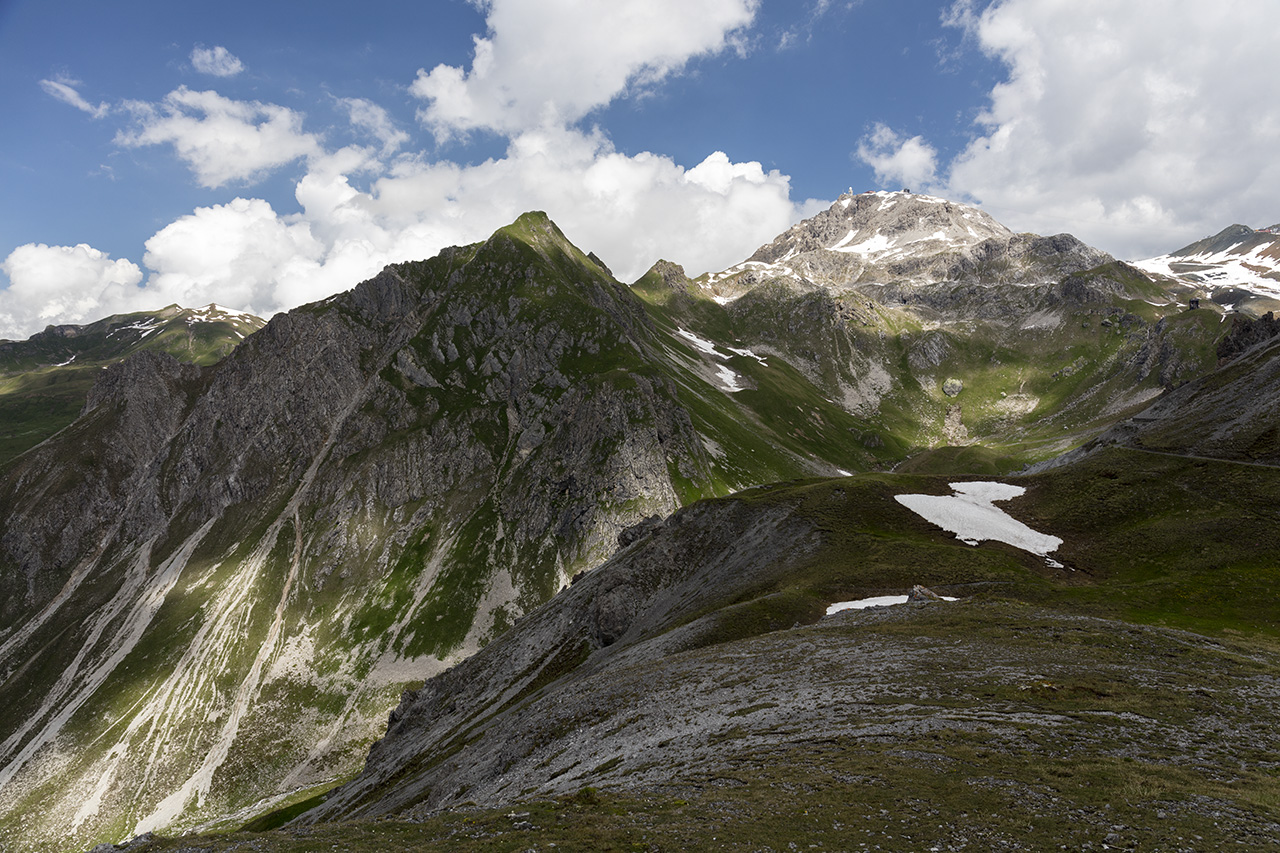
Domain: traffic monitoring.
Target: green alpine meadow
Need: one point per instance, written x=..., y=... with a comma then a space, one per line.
x=907, y=532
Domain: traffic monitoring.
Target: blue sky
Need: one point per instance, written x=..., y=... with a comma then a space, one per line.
x=266, y=154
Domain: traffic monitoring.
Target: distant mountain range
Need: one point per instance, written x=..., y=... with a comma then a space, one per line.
x=576, y=503
x=1238, y=268
x=44, y=380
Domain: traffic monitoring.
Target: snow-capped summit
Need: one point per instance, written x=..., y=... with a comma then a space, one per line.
x=1238, y=257
x=904, y=237
x=886, y=226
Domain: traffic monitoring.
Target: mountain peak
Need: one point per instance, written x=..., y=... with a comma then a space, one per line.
x=1239, y=264
x=885, y=226
x=906, y=238
x=1224, y=239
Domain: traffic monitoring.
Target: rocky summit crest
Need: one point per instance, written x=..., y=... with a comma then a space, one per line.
x=905, y=238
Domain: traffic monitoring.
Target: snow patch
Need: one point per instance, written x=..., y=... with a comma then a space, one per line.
x=1221, y=269
x=146, y=327
x=876, y=243
x=708, y=347
x=748, y=354
x=700, y=343
x=729, y=379
x=874, y=601
x=970, y=515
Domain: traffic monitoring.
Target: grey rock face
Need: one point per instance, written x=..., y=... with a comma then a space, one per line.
x=1245, y=334
x=673, y=276
x=705, y=553
x=1231, y=413
x=920, y=593
x=917, y=239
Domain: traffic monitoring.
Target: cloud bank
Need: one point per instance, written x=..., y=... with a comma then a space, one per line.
x=1138, y=126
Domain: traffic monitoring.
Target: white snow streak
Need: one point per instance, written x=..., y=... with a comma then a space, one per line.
x=875, y=601
x=870, y=246
x=150, y=595
x=700, y=343
x=729, y=379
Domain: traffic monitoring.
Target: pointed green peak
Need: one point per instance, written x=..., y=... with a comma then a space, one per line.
x=663, y=281
x=536, y=231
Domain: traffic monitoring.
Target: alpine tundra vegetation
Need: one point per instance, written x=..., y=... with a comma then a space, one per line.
x=496, y=552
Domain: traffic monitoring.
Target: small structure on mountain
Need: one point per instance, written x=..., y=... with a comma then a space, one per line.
x=1194, y=303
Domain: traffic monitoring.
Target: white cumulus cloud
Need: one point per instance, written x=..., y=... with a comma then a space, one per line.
x=630, y=210
x=235, y=253
x=553, y=61
x=896, y=160
x=374, y=120
x=222, y=140
x=1138, y=126
x=217, y=61
x=62, y=284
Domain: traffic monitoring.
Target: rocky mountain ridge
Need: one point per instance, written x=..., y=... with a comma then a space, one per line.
x=904, y=238
x=365, y=491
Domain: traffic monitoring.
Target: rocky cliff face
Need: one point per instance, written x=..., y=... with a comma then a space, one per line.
x=1231, y=413
x=48, y=376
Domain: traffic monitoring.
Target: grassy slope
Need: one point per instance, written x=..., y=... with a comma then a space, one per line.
x=1064, y=776
x=878, y=547
x=1187, y=543
x=1046, y=372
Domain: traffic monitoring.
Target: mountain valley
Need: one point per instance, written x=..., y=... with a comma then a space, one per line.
x=604, y=524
